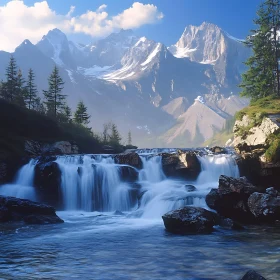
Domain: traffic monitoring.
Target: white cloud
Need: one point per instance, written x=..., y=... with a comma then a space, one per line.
x=19, y=21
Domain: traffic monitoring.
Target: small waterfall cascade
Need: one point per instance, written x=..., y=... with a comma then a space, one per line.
x=212, y=166
x=163, y=195
x=152, y=169
x=22, y=187
x=98, y=183
x=93, y=182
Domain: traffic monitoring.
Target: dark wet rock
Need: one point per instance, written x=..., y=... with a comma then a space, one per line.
x=218, y=150
x=232, y=185
x=14, y=209
x=47, y=181
x=265, y=207
x=119, y=213
x=128, y=174
x=190, y=188
x=272, y=192
x=228, y=223
x=252, y=275
x=183, y=164
x=3, y=172
x=190, y=220
x=132, y=159
x=230, y=199
x=37, y=148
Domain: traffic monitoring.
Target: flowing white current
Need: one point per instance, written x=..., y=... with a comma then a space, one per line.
x=22, y=187
x=97, y=183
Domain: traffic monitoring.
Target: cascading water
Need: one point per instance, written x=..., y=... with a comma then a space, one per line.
x=96, y=182
x=162, y=195
x=22, y=187
x=93, y=183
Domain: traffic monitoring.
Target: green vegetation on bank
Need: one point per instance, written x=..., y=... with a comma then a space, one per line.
x=24, y=116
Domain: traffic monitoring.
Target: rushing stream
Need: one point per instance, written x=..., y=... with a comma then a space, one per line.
x=96, y=243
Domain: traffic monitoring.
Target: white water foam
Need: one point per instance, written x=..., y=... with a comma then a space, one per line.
x=23, y=183
x=93, y=183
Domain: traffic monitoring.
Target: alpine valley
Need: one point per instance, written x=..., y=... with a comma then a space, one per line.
x=179, y=95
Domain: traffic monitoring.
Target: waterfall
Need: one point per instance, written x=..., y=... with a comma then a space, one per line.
x=93, y=182
x=22, y=187
x=152, y=169
x=160, y=195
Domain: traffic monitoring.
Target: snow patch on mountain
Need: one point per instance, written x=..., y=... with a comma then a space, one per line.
x=96, y=71
x=70, y=75
x=152, y=55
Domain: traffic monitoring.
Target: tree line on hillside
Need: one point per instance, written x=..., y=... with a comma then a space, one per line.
x=262, y=78
x=24, y=93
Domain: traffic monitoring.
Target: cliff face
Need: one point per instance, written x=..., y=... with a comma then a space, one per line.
x=257, y=141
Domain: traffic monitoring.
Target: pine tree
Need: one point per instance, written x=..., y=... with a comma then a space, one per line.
x=9, y=91
x=20, y=90
x=31, y=91
x=81, y=116
x=129, y=139
x=262, y=77
x=55, y=100
x=67, y=114
x=115, y=137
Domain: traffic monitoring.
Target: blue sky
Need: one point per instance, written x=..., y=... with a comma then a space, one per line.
x=234, y=16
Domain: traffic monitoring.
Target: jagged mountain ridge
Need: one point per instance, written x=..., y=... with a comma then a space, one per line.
x=134, y=81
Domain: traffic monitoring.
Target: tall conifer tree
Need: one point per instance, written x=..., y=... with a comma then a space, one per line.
x=54, y=99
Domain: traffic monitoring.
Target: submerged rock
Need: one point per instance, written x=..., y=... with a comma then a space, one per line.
x=190, y=220
x=15, y=209
x=228, y=223
x=252, y=275
x=190, y=188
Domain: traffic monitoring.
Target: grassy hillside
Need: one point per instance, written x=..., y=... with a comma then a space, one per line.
x=19, y=124
x=260, y=108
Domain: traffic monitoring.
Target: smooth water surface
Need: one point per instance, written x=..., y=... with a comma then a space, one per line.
x=103, y=246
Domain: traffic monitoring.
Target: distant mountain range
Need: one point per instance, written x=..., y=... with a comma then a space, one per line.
x=167, y=96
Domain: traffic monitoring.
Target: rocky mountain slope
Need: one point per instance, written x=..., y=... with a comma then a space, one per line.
x=142, y=85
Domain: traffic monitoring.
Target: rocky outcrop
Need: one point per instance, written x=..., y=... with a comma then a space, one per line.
x=132, y=159
x=36, y=148
x=252, y=139
x=256, y=135
x=240, y=200
x=265, y=206
x=14, y=210
x=252, y=275
x=181, y=164
x=230, y=199
x=190, y=220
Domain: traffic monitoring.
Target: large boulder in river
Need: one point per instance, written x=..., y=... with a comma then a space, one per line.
x=132, y=159
x=230, y=199
x=190, y=220
x=181, y=164
x=265, y=206
x=14, y=209
x=47, y=181
x=252, y=275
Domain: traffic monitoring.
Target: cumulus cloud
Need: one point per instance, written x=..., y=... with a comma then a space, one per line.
x=19, y=21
